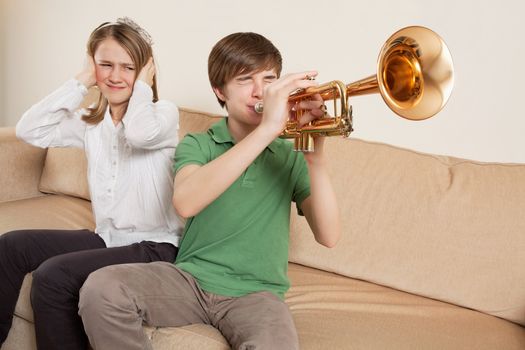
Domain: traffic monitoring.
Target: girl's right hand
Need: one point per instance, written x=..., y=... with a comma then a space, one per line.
x=87, y=76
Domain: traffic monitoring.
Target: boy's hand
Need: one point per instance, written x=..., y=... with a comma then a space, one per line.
x=313, y=109
x=87, y=76
x=147, y=72
x=276, y=95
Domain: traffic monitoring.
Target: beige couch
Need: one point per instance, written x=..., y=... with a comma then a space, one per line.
x=432, y=256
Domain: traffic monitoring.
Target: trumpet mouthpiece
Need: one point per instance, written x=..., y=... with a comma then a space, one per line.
x=258, y=107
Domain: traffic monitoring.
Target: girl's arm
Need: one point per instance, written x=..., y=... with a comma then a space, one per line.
x=55, y=121
x=147, y=124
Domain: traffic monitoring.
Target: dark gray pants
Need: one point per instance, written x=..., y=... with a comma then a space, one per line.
x=117, y=300
x=60, y=261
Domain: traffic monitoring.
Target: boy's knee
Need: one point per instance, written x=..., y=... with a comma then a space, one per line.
x=101, y=292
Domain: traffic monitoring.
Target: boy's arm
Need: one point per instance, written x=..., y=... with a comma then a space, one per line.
x=320, y=208
x=197, y=186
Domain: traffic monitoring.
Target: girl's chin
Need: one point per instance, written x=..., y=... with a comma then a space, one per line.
x=114, y=98
x=117, y=102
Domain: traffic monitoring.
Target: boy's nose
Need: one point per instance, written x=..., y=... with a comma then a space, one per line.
x=258, y=88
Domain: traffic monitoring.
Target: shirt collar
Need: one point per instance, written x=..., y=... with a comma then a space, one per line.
x=220, y=134
x=109, y=121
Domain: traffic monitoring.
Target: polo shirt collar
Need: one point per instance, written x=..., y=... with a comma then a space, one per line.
x=220, y=134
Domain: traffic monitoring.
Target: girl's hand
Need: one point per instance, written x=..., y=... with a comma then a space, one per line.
x=147, y=72
x=88, y=76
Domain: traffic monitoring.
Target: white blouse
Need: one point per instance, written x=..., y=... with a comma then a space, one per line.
x=129, y=165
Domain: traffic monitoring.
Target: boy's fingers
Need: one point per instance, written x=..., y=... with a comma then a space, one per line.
x=296, y=80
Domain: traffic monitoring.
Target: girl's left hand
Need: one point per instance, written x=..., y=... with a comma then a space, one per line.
x=147, y=72
x=88, y=74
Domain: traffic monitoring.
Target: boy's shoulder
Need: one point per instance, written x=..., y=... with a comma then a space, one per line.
x=200, y=136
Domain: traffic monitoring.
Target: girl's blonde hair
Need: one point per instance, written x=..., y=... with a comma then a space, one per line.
x=137, y=43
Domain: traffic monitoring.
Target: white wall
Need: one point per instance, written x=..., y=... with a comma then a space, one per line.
x=45, y=43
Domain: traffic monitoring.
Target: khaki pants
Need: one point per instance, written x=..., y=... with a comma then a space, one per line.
x=117, y=300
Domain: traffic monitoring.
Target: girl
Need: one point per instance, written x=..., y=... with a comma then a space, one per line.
x=129, y=138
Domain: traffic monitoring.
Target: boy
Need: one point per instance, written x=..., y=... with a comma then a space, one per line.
x=235, y=184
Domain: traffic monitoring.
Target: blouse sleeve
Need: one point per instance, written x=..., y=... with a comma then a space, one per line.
x=150, y=125
x=55, y=121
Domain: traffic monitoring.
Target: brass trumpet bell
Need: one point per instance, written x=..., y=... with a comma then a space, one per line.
x=415, y=77
x=415, y=74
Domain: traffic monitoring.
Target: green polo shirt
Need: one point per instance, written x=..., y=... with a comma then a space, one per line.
x=239, y=243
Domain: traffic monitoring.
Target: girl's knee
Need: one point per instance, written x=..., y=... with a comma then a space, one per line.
x=51, y=274
x=13, y=242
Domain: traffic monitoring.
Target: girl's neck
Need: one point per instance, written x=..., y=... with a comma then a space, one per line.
x=117, y=112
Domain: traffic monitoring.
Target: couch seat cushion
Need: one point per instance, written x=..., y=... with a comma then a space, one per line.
x=192, y=337
x=337, y=312
x=46, y=212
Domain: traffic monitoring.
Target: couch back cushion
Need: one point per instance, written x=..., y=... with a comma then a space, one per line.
x=446, y=228
x=195, y=121
x=21, y=167
x=65, y=172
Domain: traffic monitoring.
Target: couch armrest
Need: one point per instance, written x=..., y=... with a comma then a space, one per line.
x=20, y=167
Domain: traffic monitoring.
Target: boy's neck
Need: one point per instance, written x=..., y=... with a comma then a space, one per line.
x=239, y=131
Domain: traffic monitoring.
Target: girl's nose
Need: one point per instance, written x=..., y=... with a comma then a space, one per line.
x=114, y=75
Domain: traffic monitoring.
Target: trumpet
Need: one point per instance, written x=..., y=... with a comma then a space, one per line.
x=414, y=76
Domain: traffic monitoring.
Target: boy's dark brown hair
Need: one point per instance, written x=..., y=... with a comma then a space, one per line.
x=240, y=53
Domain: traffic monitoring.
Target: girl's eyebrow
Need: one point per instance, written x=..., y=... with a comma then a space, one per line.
x=121, y=63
